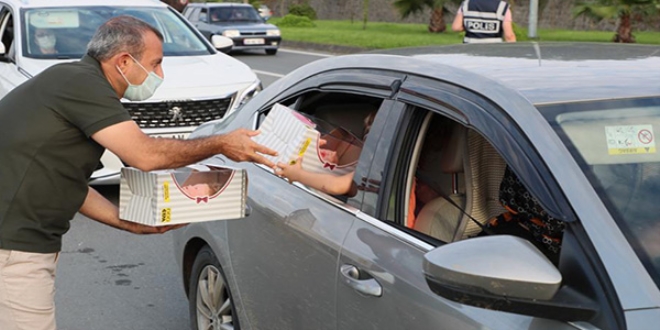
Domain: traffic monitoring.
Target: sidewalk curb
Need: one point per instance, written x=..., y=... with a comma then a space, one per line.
x=334, y=49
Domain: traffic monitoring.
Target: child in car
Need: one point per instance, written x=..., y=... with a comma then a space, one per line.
x=327, y=183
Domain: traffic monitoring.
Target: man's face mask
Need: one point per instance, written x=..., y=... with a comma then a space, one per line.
x=144, y=90
x=46, y=41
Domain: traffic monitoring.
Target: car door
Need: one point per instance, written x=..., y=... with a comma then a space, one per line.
x=381, y=282
x=284, y=255
x=10, y=75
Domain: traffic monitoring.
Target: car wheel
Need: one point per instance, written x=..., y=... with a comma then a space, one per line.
x=271, y=51
x=211, y=304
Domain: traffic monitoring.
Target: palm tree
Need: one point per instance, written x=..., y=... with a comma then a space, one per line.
x=438, y=9
x=623, y=10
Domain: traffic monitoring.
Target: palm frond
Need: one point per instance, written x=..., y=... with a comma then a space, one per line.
x=597, y=12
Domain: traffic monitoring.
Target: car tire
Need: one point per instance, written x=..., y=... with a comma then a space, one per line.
x=271, y=51
x=217, y=310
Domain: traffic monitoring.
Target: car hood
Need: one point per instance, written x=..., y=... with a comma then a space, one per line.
x=245, y=26
x=186, y=77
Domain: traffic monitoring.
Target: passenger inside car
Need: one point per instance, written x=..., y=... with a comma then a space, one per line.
x=45, y=41
x=475, y=189
x=526, y=218
x=327, y=183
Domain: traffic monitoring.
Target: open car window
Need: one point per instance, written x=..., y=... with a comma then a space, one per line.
x=333, y=148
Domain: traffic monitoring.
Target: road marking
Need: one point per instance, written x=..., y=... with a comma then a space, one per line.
x=305, y=52
x=266, y=73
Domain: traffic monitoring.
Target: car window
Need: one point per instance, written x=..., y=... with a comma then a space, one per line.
x=203, y=14
x=451, y=183
x=234, y=14
x=65, y=32
x=343, y=122
x=615, y=144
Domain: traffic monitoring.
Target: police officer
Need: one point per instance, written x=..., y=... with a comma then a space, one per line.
x=484, y=21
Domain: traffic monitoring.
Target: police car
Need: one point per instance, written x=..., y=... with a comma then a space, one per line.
x=201, y=84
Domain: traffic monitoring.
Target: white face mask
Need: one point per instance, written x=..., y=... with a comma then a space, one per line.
x=46, y=42
x=144, y=90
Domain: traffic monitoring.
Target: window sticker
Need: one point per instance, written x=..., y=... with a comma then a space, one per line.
x=54, y=19
x=630, y=139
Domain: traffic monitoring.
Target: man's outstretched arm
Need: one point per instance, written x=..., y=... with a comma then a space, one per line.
x=146, y=153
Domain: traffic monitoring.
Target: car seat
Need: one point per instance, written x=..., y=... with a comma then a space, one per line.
x=440, y=218
x=483, y=169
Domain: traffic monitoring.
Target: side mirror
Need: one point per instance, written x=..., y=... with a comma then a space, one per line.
x=222, y=43
x=504, y=273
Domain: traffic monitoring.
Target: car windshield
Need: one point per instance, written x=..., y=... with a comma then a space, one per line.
x=50, y=33
x=234, y=14
x=614, y=143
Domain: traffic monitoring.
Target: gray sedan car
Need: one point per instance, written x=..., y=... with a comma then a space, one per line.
x=575, y=124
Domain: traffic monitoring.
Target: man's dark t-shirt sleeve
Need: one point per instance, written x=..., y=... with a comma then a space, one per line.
x=96, y=103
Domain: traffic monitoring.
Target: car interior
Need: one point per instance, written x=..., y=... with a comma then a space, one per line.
x=341, y=110
x=466, y=172
x=452, y=180
x=7, y=31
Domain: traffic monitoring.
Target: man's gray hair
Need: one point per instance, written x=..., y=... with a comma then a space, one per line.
x=120, y=34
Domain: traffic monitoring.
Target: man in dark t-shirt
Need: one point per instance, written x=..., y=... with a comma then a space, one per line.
x=54, y=129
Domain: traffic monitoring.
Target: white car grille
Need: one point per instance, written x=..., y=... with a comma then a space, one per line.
x=169, y=114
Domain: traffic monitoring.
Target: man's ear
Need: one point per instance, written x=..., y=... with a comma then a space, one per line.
x=123, y=61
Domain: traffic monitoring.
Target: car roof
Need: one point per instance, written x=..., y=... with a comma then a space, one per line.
x=555, y=72
x=78, y=3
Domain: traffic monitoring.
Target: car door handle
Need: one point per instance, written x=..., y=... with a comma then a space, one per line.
x=369, y=286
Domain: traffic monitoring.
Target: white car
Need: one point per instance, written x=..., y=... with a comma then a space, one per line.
x=201, y=84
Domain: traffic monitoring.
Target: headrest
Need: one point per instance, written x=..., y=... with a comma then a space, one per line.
x=453, y=150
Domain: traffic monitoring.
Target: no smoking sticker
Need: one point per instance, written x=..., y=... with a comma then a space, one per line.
x=630, y=139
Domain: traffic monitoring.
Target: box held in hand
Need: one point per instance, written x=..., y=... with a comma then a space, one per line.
x=324, y=148
x=193, y=193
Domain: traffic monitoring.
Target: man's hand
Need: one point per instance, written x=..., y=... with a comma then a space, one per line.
x=140, y=229
x=239, y=147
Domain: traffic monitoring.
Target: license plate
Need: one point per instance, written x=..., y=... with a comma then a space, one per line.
x=255, y=41
x=180, y=136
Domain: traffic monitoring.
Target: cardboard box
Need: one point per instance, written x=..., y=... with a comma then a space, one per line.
x=293, y=135
x=190, y=194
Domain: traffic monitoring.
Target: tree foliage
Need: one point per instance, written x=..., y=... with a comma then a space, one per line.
x=625, y=11
x=437, y=7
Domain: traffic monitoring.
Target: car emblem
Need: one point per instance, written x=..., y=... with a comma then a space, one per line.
x=177, y=113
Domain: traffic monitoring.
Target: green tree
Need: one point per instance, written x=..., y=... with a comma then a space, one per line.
x=625, y=11
x=438, y=9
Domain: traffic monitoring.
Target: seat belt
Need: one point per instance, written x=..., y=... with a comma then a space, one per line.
x=427, y=180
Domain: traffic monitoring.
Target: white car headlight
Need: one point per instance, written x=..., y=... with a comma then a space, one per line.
x=231, y=33
x=246, y=95
x=273, y=33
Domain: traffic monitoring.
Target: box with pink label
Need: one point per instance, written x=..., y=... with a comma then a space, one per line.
x=193, y=193
x=323, y=147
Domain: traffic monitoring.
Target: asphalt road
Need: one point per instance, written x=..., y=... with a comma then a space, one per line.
x=109, y=279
